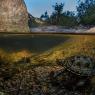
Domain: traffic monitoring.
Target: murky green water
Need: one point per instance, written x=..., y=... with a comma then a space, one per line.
x=34, y=43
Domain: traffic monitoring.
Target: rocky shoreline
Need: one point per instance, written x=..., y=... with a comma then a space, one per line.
x=58, y=29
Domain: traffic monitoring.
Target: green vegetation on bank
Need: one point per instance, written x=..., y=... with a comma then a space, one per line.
x=85, y=15
x=86, y=12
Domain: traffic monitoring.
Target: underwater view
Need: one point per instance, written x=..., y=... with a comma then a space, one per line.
x=39, y=63
x=47, y=47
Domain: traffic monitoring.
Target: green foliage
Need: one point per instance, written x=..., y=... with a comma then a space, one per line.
x=86, y=12
x=58, y=11
x=45, y=16
x=58, y=17
x=68, y=19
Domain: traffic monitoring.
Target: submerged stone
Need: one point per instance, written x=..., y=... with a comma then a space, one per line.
x=79, y=65
x=78, y=74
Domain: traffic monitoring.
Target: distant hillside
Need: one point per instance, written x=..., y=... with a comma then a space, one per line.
x=34, y=21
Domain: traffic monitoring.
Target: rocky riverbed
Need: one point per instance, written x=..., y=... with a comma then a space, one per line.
x=36, y=81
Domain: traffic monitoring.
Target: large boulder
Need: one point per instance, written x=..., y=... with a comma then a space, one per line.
x=13, y=16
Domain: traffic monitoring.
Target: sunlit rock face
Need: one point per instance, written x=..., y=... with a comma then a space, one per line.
x=13, y=16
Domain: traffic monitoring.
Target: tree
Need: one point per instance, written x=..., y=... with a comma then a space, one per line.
x=69, y=19
x=86, y=12
x=58, y=17
x=45, y=16
x=57, y=14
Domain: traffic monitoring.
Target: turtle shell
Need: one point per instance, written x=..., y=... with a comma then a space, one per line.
x=80, y=65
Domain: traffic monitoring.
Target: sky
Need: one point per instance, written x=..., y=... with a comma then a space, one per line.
x=38, y=7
